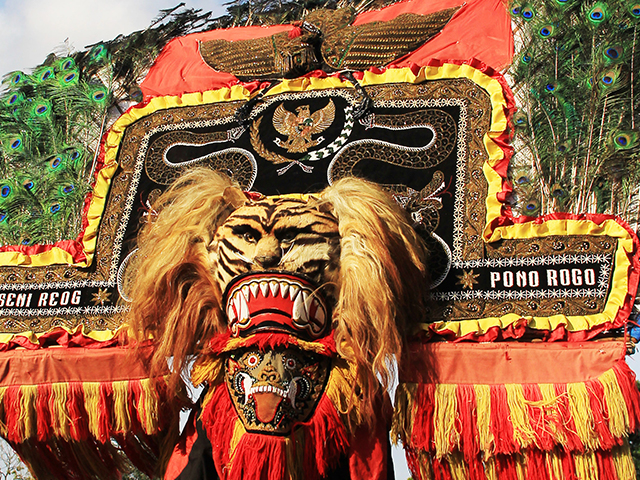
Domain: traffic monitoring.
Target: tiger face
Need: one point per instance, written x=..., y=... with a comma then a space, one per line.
x=278, y=234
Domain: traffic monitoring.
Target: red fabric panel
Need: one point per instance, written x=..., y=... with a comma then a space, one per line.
x=180, y=456
x=481, y=29
x=368, y=455
x=502, y=363
x=54, y=365
x=180, y=69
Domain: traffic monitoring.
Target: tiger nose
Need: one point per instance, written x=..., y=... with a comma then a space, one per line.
x=268, y=252
x=270, y=374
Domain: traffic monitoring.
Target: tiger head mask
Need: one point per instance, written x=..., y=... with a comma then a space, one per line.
x=351, y=241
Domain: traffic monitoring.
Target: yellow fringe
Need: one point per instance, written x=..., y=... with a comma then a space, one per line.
x=238, y=433
x=445, y=414
x=295, y=455
x=618, y=414
x=28, y=411
x=586, y=466
x=623, y=463
x=483, y=401
x=522, y=431
x=554, y=465
x=340, y=391
x=551, y=414
x=60, y=421
x=404, y=411
x=210, y=369
x=457, y=466
x=3, y=426
x=91, y=402
x=490, y=470
x=580, y=409
x=148, y=414
x=121, y=417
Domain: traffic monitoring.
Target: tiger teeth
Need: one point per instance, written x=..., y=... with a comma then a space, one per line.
x=245, y=291
x=254, y=289
x=299, y=313
x=293, y=291
x=264, y=288
x=274, y=287
x=243, y=307
x=284, y=289
x=231, y=313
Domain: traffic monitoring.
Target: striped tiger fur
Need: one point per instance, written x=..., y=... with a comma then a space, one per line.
x=277, y=234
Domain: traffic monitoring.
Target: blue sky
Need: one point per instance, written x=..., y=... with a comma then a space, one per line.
x=31, y=29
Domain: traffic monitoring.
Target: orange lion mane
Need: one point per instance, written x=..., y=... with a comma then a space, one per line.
x=381, y=289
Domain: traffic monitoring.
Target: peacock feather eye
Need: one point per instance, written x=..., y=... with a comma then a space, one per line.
x=634, y=10
x=526, y=58
x=609, y=79
x=99, y=95
x=28, y=184
x=564, y=147
x=14, y=99
x=68, y=63
x=625, y=140
x=598, y=13
x=516, y=10
x=55, y=208
x=71, y=77
x=520, y=119
x=17, y=78
x=3, y=215
x=558, y=191
x=98, y=53
x=546, y=31
x=613, y=53
x=5, y=191
x=15, y=143
x=532, y=207
x=551, y=87
x=55, y=162
x=25, y=241
x=528, y=13
x=522, y=180
x=45, y=74
x=74, y=154
x=68, y=188
x=41, y=109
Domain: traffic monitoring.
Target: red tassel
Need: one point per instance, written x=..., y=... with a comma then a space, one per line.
x=77, y=412
x=568, y=467
x=43, y=413
x=536, y=468
x=544, y=440
x=295, y=32
x=565, y=422
x=422, y=431
x=12, y=414
x=600, y=413
x=606, y=468
x=104, y=419
x=500, y=424
x=627, y=381
x=467, y=421
x=441, y=470
x=506, y=467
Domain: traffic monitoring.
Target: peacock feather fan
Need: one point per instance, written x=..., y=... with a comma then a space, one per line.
x=52, y=120
x=576, y=84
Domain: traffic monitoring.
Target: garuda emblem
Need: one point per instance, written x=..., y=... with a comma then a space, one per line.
x=300, y=126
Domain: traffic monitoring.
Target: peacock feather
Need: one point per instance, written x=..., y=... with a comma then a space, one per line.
x=576, y=84
x=52, y=120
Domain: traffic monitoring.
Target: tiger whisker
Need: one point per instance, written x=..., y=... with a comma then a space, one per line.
x=243, y=258
x=284, y=254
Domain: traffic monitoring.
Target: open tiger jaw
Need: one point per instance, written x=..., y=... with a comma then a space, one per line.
x=276, y=302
